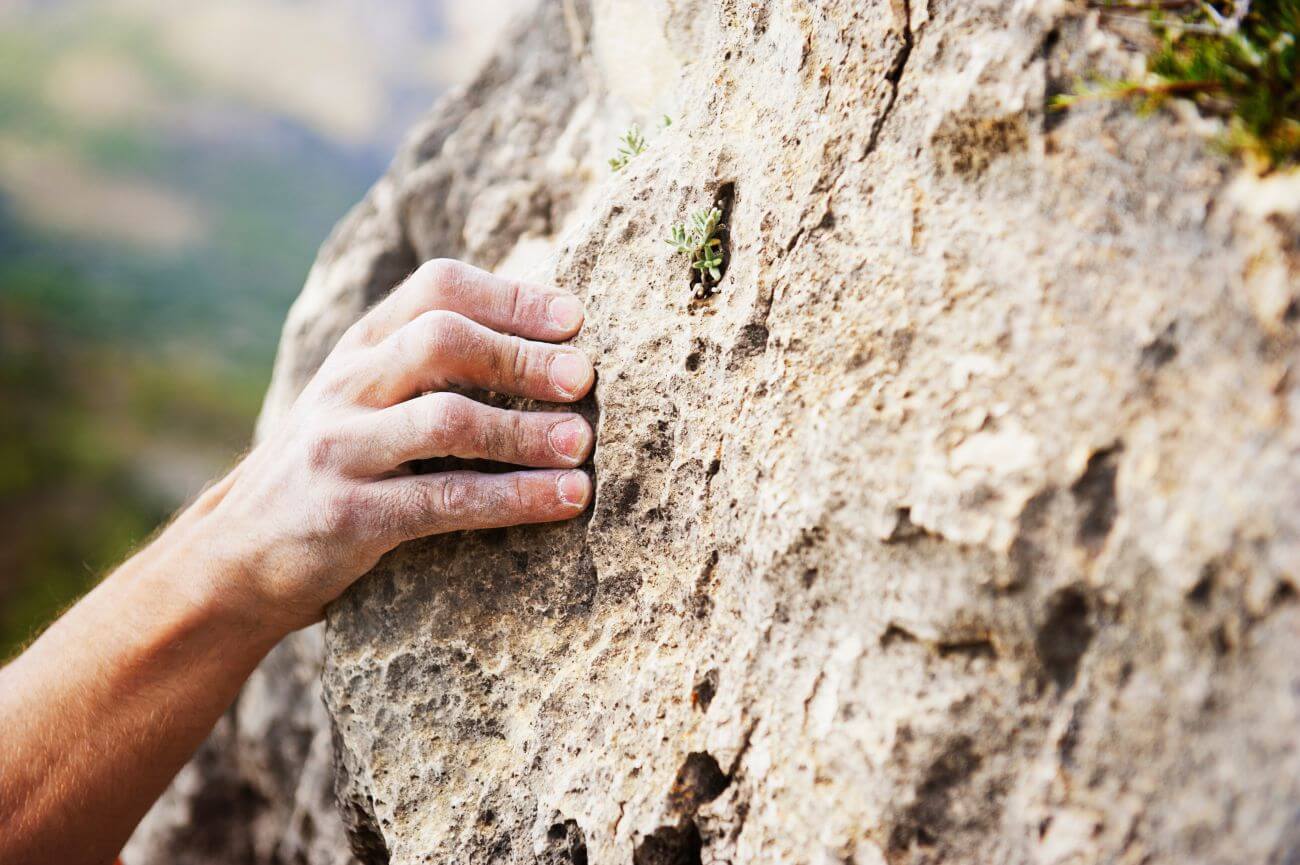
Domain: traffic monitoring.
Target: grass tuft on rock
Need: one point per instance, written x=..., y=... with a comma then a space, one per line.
x=1237, y=59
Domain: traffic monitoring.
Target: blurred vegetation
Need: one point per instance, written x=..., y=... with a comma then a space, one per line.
x=79, y=419
x=1237, y=59
x=129, y=374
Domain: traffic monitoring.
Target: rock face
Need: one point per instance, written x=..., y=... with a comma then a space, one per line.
x=960, y=525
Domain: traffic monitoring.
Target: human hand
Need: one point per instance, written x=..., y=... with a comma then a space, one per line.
x=317, y=503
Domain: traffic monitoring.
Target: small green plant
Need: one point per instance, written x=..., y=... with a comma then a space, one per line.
x=631, y=145
x=1236, y=59
x=700, y=241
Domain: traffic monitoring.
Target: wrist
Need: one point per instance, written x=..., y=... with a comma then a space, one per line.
x=210, y=580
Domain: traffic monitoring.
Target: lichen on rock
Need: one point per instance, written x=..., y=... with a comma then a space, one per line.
x=957, y=525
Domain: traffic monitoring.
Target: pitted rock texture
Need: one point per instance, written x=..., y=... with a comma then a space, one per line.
x=960, y=525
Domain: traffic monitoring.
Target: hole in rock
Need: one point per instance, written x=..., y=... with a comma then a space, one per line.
x=1204, y=588
x=1064, y=637
x=702, y=282
x=565, y=844
x=927, y=818
x=1095, y=493
x=670, y=845
x=699, y=780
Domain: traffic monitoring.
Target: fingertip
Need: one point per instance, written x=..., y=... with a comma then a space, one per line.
x=571, y=439
x=571, y=374
x=566, y=313
x=574, y=489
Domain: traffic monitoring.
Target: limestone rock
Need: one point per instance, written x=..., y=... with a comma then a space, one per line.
x=960, y=525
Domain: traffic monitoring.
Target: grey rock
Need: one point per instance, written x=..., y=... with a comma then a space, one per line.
x=959, y=526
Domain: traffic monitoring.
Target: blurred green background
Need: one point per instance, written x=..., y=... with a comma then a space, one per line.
x=167, y=171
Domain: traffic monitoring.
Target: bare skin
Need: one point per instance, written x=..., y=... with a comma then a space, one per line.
x=98, y=715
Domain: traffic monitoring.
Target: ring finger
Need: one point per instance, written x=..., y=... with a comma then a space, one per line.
x=446, y=424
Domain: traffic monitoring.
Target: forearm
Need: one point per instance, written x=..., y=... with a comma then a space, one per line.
x=99, y=714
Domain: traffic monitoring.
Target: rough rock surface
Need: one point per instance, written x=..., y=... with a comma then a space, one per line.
x=959, y=526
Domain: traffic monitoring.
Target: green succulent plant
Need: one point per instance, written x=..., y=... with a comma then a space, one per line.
x=699, y=240
x=1236, y=59
x=631, y=145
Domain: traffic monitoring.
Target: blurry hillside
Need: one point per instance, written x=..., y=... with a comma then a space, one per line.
x=167, y=170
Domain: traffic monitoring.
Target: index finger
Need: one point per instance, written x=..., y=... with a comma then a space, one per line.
x=504, y=305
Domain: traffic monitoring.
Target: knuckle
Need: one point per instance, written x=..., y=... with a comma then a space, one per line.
x=441, y=280
x=342, y=382
x=390, y=514
x=521, y=436
x=439, y=329
x=456, y=495
x=518, y=495
x=362, y=332
x=344, y=511
x=447, y=419
x=323, y=450
x=514, y=302
x=416, y=503
x=492, y=436
x=513, y=360
x=412, y=510
x=438, y=274
x=356, y=334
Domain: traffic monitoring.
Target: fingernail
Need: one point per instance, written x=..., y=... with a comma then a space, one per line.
x=569, y=438
x=570, y=372
x=574, y=488
x=565, y=311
